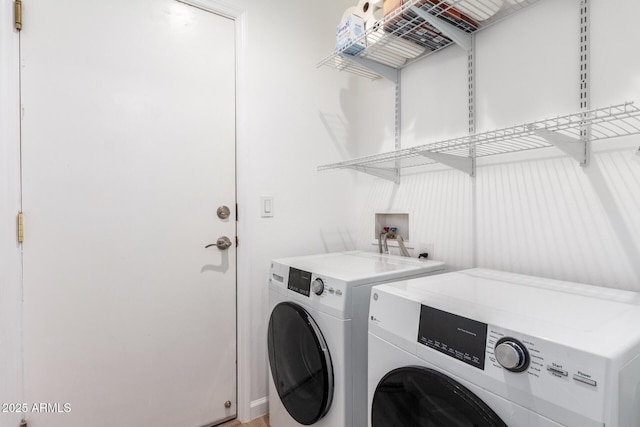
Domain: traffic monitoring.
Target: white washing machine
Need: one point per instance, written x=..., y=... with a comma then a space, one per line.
x=317, y=334
x=487, y=348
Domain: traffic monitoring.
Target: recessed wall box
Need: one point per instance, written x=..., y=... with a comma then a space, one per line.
x=399, y=221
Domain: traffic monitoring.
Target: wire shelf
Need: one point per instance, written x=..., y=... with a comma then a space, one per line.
x=602, y=123
x=404, y=35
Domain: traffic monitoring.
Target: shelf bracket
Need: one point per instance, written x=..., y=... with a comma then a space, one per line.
x=464, y=164
x=459, y=37
x=385, y=71
x=574, y=147
x=388, y=174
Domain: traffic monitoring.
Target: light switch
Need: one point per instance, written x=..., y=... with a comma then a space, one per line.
x=266, y=206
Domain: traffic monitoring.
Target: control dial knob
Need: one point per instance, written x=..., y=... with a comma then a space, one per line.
x=317, y=286
x=512, y=354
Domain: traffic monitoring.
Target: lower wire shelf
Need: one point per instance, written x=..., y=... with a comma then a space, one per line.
x=571, y=133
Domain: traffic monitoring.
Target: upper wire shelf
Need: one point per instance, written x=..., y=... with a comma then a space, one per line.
x=569, y=133
x=419, y=28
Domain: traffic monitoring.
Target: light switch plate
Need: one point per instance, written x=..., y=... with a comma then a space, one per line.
x=266, y=206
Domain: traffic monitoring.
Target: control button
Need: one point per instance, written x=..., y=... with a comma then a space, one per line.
x=512, y=354
x=584, y=380
x=331, y=290
x=317, y=286
x=557, y=371
x=338, y=292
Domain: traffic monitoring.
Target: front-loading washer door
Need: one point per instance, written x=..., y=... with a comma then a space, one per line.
x=300, y=363
x=421, y=397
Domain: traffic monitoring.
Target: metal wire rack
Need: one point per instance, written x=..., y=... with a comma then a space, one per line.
x=564, y=132
x=419, y=28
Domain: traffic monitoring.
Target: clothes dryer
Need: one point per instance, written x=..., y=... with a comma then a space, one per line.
x=487, y=348
x=317, y=334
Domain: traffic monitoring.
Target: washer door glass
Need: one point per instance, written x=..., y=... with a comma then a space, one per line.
x=421, y=397
x=300, y=363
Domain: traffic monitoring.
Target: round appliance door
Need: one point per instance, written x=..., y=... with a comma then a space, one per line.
x=300, y=363
x=421, y=397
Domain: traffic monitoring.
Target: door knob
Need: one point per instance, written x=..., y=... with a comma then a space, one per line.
x=223, y=243
x=223, y=212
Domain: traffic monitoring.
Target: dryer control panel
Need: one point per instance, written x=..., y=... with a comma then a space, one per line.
x=326, y=294
x=299, y=281
x=555, y=374
x=456, y=336
x=555, y=379
x=552, y=363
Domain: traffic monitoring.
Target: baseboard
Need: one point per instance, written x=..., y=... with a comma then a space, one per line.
x=259, y=407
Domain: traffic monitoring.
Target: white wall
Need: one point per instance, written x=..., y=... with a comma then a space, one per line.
x=535, y=213
x=292, y=120
x=10, y=270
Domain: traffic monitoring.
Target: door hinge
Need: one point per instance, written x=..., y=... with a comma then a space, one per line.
x=20, y=227
x=236, y=212
x=17, y=9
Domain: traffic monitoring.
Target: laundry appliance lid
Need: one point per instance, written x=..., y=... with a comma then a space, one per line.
x=359, y=267
x=594, y=319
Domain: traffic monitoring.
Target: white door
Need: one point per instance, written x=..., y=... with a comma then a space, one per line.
x=128, y=139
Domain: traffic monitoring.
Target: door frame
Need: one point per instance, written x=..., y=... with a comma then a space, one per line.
x=11, y=283
x=11, y=390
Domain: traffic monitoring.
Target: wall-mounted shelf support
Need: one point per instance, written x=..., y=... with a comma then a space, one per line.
x=574, y=147
x=585, y=96
x=385, y=71
x=464, y=164
x=459, y=37
x=384, y=173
